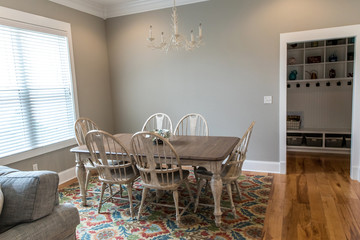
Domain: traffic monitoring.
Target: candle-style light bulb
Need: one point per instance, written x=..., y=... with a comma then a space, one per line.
x=150, y=32
x=162, y=37
x=200, y=31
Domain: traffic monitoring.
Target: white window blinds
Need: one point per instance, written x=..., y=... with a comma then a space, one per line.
x=36, y=103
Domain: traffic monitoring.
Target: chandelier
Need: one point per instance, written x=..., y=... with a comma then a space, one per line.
x=176, y=40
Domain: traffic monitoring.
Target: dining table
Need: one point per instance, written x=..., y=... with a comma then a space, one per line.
x=202, y=151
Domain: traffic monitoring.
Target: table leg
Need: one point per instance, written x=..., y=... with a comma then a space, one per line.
x=216, y=188
x=81, y=176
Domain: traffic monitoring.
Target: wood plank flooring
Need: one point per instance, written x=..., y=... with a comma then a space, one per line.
x=316, y=199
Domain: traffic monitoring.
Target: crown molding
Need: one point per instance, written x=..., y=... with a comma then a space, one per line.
x=86, y=6
x=108, y=9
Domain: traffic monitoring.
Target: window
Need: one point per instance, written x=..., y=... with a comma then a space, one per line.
x=36, y=88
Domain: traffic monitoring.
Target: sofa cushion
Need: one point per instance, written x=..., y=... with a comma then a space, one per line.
x=28, y=196
x=60, y=224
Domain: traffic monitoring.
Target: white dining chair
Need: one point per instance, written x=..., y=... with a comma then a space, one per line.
x=230, y=172
x=158, y=121
x=192, y=124
x=82, y=126
x=160, y=168
x=114, y=164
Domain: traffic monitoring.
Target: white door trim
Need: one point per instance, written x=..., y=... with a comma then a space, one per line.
x=312, y=35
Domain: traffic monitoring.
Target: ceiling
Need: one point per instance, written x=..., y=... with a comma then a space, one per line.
x=115, y=8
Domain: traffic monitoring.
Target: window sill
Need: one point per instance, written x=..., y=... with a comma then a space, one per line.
x=36, y=152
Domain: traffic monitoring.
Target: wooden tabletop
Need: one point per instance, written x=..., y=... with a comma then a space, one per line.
x=210, y=148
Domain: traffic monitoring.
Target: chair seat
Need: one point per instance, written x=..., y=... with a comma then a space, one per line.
x=117, y=177
x=164, y=182
x=177, y=179
x=202, y=172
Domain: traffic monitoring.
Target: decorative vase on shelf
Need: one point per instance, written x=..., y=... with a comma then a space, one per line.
x=332, y=73
x=292, y=75
x=333, y=58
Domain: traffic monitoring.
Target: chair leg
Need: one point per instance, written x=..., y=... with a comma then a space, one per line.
x=206, y=186
x=228, y=187
x=88, y=173
x=129, y=189
x=238, y=189
x=144, y=193
x=159, y=194
x=103, y=186
x=196, y=177
x=111, y=192
x=201, y=184
x=176, y=201
x=188, y=188
x=121, y=191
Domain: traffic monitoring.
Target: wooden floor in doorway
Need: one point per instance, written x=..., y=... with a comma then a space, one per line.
x=316, y=199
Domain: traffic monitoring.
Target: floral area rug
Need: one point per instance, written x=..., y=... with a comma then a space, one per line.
x=156, y=222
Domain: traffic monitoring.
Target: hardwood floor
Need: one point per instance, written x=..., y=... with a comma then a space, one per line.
x=316, y=199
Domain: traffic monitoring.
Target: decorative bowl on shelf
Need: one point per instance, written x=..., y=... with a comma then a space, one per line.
x=314, y=59
x=292, y=61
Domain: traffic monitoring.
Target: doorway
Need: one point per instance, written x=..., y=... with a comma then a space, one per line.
x=314, y=35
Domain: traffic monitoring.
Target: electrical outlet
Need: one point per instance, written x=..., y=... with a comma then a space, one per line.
x=35, y=167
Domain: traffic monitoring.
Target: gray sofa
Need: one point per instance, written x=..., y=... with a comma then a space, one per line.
x=31, y=207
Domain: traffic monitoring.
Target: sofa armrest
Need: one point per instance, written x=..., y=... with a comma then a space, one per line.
x=28, y=196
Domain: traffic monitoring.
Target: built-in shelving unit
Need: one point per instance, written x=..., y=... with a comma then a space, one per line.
x=325, y=111
x=321, y=61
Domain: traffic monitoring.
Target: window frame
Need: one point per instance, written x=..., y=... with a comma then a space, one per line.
x=34, y=22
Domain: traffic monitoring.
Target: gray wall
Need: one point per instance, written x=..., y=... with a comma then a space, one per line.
x=92, y=73
x=226, y=79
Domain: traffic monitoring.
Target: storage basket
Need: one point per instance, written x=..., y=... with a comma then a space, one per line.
x=313, y=141
x=335, y=142
x=293, y=122
x=293, y=125
x=348, y=142
x=294, y=141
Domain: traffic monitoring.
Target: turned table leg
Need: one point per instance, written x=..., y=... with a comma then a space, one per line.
x=81, y=176
x=216, y=188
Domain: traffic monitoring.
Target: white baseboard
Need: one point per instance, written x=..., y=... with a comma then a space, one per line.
x=67, y=175
x=261, y=166
x=355, y=174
